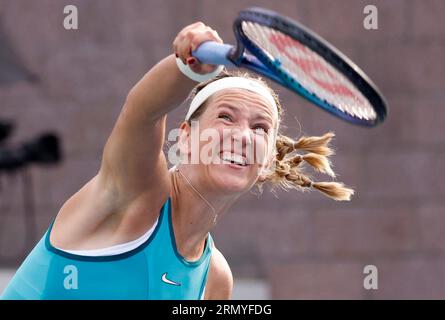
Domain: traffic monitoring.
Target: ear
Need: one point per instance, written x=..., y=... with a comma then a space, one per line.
x=263, y=170
x=184, y=139
x=270, y=162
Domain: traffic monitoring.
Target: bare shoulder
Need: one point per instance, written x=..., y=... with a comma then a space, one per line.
x=220, y=280
x=75, y=221
x=89, y=219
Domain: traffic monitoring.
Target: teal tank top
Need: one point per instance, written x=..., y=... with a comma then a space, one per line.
x=154, y=270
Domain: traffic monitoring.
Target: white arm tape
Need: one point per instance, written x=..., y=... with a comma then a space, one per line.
x=185, y=69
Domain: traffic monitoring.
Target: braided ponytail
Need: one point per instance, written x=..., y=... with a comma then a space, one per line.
x=287, y=170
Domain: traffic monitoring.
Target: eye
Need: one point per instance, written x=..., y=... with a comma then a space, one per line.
x=261, y=127
x=225, y=117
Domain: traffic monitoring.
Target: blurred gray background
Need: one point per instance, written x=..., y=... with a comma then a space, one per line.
x=291, y=246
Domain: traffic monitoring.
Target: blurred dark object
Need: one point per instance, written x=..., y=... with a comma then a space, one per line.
x=5, y=130
x=12, y=68
x=43, y=150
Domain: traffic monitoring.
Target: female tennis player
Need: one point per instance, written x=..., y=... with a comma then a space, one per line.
x=138, y=230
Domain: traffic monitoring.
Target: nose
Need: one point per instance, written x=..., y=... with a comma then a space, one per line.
x=243, y=135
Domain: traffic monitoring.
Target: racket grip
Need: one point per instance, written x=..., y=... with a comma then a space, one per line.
x=211, y=52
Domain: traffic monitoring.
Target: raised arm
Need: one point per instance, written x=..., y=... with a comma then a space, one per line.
x=133, y=162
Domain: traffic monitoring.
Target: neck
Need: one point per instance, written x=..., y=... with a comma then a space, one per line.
x=193, y=213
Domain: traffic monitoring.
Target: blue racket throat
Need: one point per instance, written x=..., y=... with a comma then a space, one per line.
x=295, y=57
x=211, y=52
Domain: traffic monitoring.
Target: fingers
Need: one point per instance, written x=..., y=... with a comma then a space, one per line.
x=190, y=38
x=182, y=39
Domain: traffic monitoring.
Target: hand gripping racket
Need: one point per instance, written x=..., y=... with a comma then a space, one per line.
x=300, y=60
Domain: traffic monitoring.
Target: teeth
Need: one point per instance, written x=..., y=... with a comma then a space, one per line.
x=231, y=157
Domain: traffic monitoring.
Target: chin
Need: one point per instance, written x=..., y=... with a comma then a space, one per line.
x=231, y=180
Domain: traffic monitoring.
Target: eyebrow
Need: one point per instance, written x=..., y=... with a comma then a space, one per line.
x=226, y=105
x=234, y=109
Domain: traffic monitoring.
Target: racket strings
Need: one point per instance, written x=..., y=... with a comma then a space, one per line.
x=310, y=70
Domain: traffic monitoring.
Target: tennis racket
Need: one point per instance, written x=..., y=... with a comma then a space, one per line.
x=295, y=57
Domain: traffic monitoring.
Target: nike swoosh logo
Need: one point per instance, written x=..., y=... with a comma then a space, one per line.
x=164, y=279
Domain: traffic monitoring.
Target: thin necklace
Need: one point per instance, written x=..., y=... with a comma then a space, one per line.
x=202, y=197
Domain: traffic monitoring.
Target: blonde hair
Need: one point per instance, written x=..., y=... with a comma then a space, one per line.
x=287, y=169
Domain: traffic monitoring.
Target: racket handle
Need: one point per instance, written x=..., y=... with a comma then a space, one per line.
x=211, y=52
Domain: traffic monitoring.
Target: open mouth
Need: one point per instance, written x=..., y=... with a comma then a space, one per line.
x=232, y=158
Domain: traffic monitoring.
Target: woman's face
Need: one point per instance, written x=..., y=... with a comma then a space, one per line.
x=236, y=133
